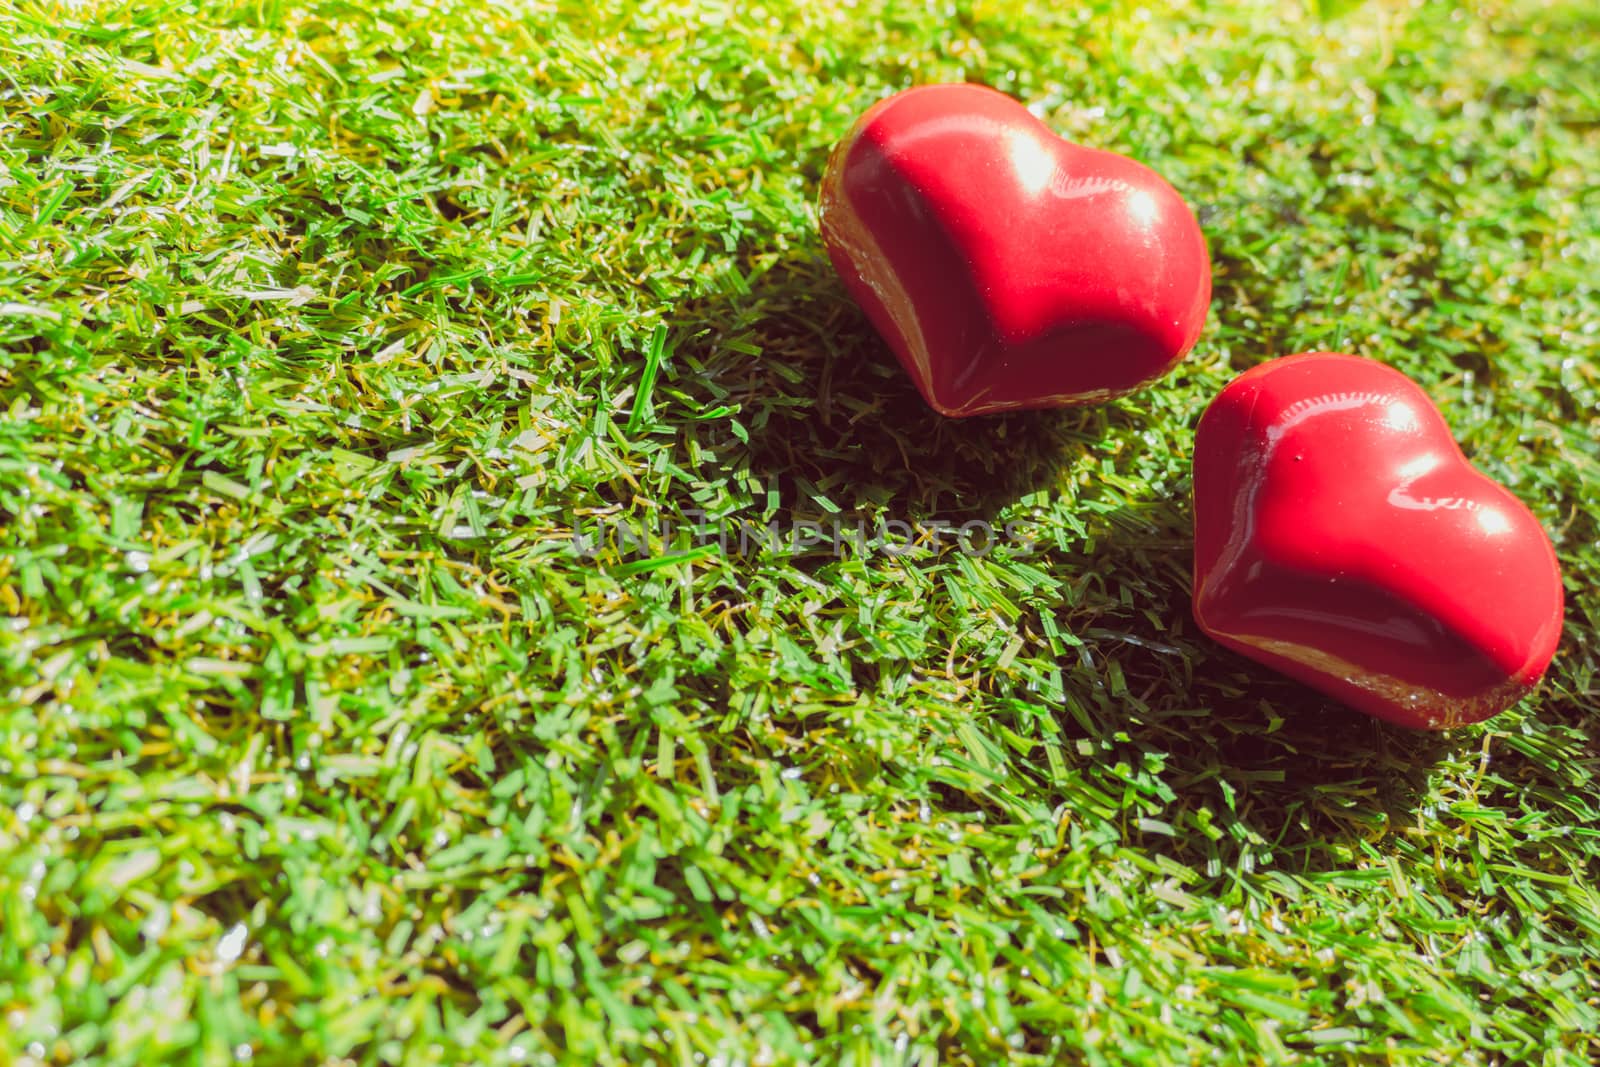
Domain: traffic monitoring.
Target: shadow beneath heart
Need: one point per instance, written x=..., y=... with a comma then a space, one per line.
x=832, y=419
x=1262, y=769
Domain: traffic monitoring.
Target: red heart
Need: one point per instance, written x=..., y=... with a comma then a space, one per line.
x=1342, y=538
x=1008, y=268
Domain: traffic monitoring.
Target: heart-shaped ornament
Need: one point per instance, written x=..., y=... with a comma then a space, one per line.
x=1342, y=538
x=1008, y=268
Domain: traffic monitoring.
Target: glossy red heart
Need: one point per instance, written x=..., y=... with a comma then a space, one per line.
x=1342, y=538
x=1008, y=268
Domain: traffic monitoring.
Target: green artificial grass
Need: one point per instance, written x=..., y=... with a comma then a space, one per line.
x=326, y=328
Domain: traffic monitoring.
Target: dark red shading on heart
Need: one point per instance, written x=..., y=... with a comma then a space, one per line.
x=1008, y=268
x=1342, y=538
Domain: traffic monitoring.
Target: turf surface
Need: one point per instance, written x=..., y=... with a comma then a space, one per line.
x=323, y=331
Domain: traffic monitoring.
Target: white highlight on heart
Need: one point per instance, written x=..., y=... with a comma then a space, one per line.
x=1416, y=468
x=1400, y=496
x=1142, y=207
x=1493, y=521
x=1311, y=407
x=1397, y=415
x=1066, y=187
x=1032, y=162
x=1401, y=416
